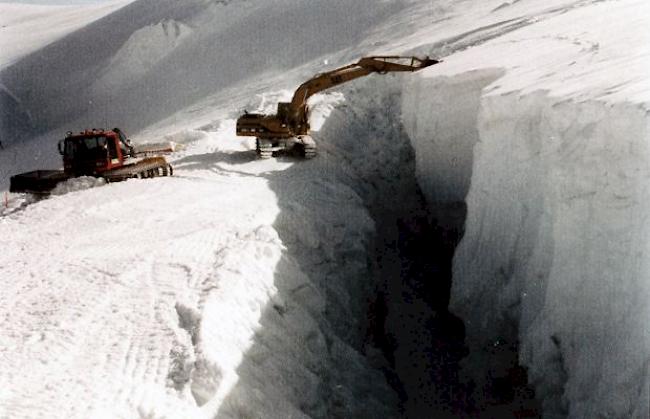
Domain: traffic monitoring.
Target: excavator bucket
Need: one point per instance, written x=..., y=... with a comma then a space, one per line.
x=426, y=62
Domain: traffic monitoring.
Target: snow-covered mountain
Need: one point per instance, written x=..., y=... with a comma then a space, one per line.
x=28, y=28
x=288, y=288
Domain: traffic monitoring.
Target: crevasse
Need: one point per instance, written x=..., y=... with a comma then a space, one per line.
x=553, y=262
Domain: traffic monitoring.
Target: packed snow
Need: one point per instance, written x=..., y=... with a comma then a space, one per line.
x=240, y=287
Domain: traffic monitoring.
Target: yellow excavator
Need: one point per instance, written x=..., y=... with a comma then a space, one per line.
x=289, y=128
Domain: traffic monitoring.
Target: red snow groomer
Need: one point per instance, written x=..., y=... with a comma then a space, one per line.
x=98, y=153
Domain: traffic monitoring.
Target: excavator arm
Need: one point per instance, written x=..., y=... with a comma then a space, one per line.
x=365, y=66
x=290, y=125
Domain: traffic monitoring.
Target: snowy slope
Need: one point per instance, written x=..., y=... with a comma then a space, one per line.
x=238, y=287
x=177, y=298
x=133, y=67
x=25, y=28
x=165, y=316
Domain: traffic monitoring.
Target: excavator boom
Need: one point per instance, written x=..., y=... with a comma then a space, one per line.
x=365, y=66
x=290, y=125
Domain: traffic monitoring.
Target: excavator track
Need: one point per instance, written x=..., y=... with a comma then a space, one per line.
x=308, y=146
x=264, y=148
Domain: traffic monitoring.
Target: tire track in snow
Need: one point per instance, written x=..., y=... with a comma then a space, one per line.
x=60, y=338
x=124, y=360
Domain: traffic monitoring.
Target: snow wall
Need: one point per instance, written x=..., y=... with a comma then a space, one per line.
x=554, y=259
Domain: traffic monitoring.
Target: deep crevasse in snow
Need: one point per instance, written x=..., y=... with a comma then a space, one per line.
x=553, y=234
x=551, y=154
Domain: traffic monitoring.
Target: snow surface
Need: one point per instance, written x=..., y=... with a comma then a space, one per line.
x=237, y=288
x=26, y=28
x=145, y=300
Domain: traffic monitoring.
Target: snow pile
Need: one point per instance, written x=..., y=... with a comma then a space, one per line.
x=77, y=184
x=555, y=149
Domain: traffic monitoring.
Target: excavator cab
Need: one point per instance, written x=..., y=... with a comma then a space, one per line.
x=283, y=111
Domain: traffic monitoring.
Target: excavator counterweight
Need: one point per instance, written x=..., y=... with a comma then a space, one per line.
x=289, y=127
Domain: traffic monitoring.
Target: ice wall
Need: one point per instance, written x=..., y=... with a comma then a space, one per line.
x=554, y=253
x=440, y=116
x=553, y=145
